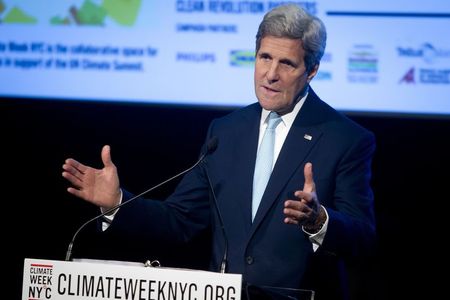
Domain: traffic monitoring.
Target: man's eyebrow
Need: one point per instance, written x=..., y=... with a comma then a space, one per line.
x=264, y=53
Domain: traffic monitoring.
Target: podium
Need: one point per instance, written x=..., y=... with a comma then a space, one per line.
x=260, y=292
x=74, y=280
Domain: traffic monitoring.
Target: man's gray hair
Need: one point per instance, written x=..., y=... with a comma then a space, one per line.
x=292, y=21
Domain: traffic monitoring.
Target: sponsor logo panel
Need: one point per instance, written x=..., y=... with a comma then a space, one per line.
x=362, y=64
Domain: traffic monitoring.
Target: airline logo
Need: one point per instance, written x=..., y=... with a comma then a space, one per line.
x=426, y=76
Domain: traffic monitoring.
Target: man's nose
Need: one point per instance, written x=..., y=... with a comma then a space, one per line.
x=272, y=73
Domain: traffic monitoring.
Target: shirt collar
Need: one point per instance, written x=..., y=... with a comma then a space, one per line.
x=287, y=119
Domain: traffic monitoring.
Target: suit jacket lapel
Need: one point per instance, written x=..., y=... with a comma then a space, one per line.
x=246, y=148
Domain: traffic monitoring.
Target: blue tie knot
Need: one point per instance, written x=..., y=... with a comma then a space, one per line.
x=274, y=120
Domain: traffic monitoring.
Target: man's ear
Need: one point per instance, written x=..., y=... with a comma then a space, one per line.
x=312, y=73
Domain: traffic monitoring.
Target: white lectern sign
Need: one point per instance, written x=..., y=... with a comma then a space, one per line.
x=50, y=279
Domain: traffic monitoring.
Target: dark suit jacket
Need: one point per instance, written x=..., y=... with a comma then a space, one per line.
x=267, y=251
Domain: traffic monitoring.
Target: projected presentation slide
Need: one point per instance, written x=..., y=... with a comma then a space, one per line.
x=381, y=56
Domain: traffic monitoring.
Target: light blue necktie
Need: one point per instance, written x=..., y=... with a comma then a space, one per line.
x=264, y=161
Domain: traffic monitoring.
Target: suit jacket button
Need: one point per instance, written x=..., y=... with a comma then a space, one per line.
x=249, y=260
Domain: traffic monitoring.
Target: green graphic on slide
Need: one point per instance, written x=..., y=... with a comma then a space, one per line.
x=123, y=12
x=90, y=12
x=15, y=15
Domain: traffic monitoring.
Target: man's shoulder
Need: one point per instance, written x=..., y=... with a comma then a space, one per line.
x=336, y=120
x=243, y=114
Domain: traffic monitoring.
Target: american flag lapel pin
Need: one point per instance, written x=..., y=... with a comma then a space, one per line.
x=307, y=137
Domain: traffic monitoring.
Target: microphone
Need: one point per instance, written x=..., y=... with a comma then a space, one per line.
x=223, y=264
x=211, y=146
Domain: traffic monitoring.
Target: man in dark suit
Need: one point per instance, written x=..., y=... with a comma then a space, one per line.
x=303, y=230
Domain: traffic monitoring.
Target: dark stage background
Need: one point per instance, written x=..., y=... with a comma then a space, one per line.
x=151, y=143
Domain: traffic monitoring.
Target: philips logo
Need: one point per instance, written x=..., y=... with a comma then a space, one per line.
x=196, y=57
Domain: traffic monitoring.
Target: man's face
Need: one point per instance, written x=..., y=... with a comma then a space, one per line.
x=280, y=73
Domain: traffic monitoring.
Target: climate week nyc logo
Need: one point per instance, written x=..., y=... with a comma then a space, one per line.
x=79, y=12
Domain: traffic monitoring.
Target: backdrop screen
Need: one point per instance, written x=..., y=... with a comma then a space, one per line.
x=381, y=56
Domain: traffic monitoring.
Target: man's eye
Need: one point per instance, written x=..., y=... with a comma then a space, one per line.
x=288, y=63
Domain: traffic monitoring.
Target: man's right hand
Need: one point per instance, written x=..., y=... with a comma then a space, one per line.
x=98, y=186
